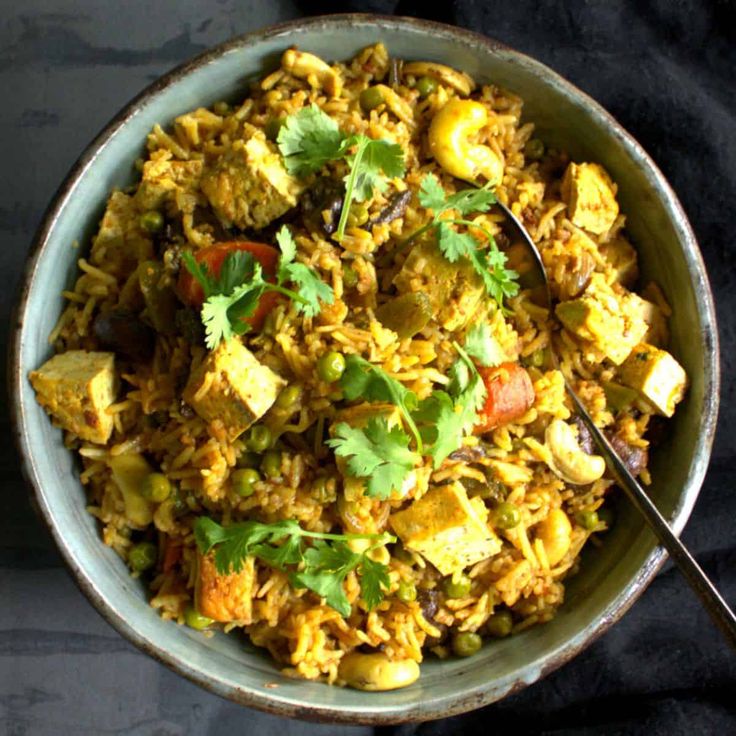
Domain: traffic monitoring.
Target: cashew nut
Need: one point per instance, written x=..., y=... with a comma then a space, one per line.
x=556, y=533
x=377, y=671
x=459, y=81
x=568, y=460
x=450, y=142
x=316, y=72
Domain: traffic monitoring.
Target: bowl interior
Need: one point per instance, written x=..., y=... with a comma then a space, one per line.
x=610, y=576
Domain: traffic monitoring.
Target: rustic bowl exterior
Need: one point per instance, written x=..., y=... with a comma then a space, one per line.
x=611, y=577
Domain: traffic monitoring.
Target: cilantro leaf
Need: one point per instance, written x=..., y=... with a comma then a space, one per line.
x=374, y=580
x=308, y=140
x=376, y=453
x=362, y=379
x=324, y=566
x=325, y=569
x=483, y=346
x=455, y=245
x=433, y=196
x=379, y=159
x=442, y=425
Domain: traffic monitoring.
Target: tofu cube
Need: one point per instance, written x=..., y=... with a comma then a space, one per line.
x=622, y=259
x=611, y=321
x=76, y=388
x=590, y=196
x=228, y=597
x=358, y=416
x=120, y=243
x=447, y=528
x=657, y=376
x=248, y=185
x=454, y=289
x=232, y=386
x=167, y=180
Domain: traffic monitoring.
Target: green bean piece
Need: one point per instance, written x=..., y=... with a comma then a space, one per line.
x=466, y=644
x=406, y=314
x=534, y=149
x=349, y=277
x=407, y=591
x=271, y=464
x=195, y=620
x=500, y=624
x=425, y=86
x=161, y=302
x=331, y=366
x=371, y=98
x=288, y=397
x=152, y=221
x=259, y=438
x=457, y=586
x=244, y=481
x=142, y=557
x=506, y=516
x=587, y=518
x=156, y=487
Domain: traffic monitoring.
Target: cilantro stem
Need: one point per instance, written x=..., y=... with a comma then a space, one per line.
x=349, y=187
x=470, y=223
x=384, y=538
x=268, y=286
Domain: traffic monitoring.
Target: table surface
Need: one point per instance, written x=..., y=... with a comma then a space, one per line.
x=663, y=68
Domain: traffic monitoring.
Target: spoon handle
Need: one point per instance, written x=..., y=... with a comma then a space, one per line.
x=714, y=603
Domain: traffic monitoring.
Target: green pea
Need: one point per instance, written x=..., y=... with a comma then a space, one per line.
x=152, y=221
x=181, y=507
x=271, y=464
x=322, y=491
x=500, y=624
x=587, y=518
x=331, y=366
x=371, y=98
x=425, y=86
x=534, y=149
x=349, y=277
x=142, y=556
x=407, y=591
x=506, y=516
x=272, y=128
x=221, y=108
x=537, y=358
x=249, y=460
x=259, y=438
x=457, y=586
x=195, y=620
x=466, y=644
x=156, y=487
x=288, y=397
x=244, y=481
x=607, y=516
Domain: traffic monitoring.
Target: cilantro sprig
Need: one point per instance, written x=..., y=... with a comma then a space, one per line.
x=310, y=138
x=490, y=262
x=232, y=296
x=321, y=567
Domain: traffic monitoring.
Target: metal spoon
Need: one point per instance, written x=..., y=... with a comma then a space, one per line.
x=535, y=276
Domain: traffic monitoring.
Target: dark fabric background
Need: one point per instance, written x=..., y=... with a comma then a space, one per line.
x=664, y=68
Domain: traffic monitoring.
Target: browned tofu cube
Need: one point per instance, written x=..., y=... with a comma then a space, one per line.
x=447, y=528
x=248, y=185
x=590, y=196
x=232, y=386
x=166, y=179
x=225, y=598
x=76, y=388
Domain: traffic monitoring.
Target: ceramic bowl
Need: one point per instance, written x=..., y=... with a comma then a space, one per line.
x=611, y=578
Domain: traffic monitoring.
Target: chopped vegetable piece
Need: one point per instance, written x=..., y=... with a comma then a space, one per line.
x=406, y=314
x=509, y=395
x=156, y=487
x=244, y=480
x=142, y=557
x=195, y=620
x=457, y=586
x=331, y=366
x=466, y=644
x=506, y=516
x=500, y=624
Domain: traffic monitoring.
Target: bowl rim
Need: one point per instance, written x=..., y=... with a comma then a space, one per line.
x=447, y=705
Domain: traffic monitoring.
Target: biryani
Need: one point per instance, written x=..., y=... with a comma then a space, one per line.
x=312, y=396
